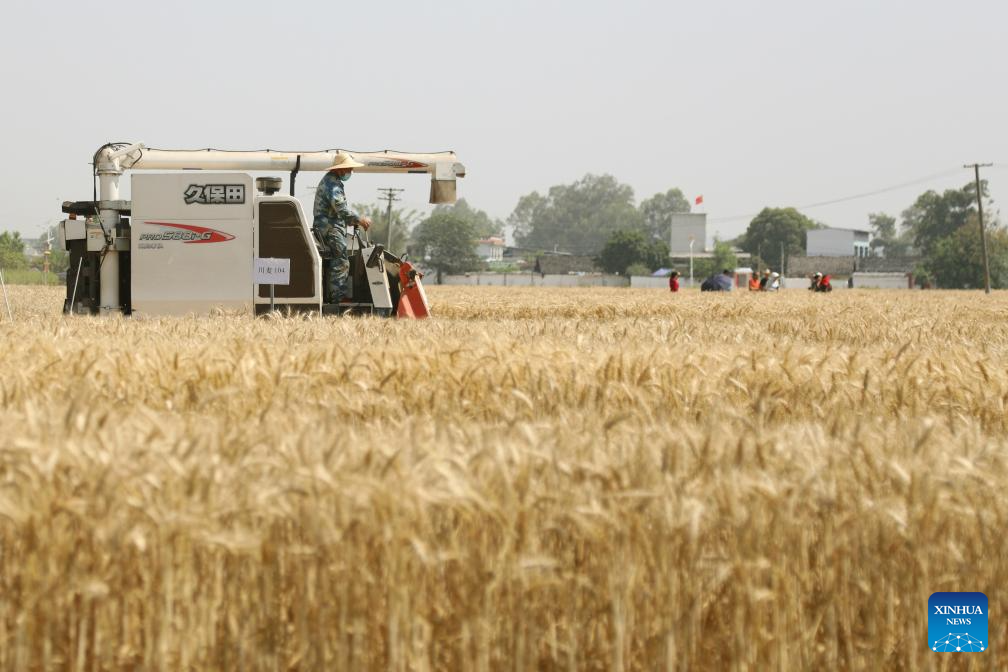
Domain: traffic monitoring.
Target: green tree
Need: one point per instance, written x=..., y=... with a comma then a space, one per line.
x=484, y=225
x=724, y=256
x=934, y=216
x=656, y=212
x=12, y=250
x=774, y=227
x=632, y=248
x=520, y=220
x=576, y=218
x=703, y=267
x=888, y=236
x=447, y=242
x=883, y=225
x=659, y=254
x=956, y=261
x=402, y=224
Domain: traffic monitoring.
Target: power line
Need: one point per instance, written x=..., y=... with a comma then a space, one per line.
x=844, y=199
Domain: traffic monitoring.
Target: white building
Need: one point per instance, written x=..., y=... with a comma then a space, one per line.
x=490, y=249
x=837, y=243
x=685, y=227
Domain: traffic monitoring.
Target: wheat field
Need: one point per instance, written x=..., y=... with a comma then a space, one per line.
x=581, y=479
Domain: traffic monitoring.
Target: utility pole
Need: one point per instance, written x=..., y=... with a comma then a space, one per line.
x=389, y=194
x=983, y=231
x=782, y=263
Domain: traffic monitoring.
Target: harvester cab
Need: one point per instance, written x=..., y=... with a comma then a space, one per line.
x=187, y=242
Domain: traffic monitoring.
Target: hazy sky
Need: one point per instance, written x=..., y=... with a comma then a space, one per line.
x=779, y=102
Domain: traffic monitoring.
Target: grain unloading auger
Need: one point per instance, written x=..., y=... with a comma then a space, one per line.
x=186, y=241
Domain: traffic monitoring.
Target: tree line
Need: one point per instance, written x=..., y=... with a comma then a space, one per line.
x=597, y=216
x=578, y=218
x=943, y=229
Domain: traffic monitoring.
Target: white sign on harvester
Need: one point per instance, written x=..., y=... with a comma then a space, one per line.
x=270, y=271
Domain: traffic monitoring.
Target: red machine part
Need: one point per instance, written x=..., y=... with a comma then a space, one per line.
x=412, y=300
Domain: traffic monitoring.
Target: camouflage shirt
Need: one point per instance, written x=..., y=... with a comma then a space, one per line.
x=331, y=204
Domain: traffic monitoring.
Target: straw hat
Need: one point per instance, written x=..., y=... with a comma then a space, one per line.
x=344, y=160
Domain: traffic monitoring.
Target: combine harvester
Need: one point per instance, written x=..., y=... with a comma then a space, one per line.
x=188, y=240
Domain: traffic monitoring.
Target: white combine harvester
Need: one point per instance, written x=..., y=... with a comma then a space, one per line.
x=187, y=241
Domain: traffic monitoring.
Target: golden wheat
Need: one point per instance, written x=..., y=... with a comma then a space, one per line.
x=573, y=480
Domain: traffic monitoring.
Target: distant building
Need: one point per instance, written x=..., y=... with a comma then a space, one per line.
x=490, y=249
x=837, y=243
x=686, y=227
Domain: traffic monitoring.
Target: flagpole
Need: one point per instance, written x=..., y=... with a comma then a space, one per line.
x=691, y=241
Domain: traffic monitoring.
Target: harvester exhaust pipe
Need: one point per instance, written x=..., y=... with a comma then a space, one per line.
x=109, y=163
x=108, y=171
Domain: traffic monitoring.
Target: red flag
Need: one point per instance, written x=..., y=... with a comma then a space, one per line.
x=699, y=199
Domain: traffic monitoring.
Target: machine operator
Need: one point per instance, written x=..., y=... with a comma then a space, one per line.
x=332, y=216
